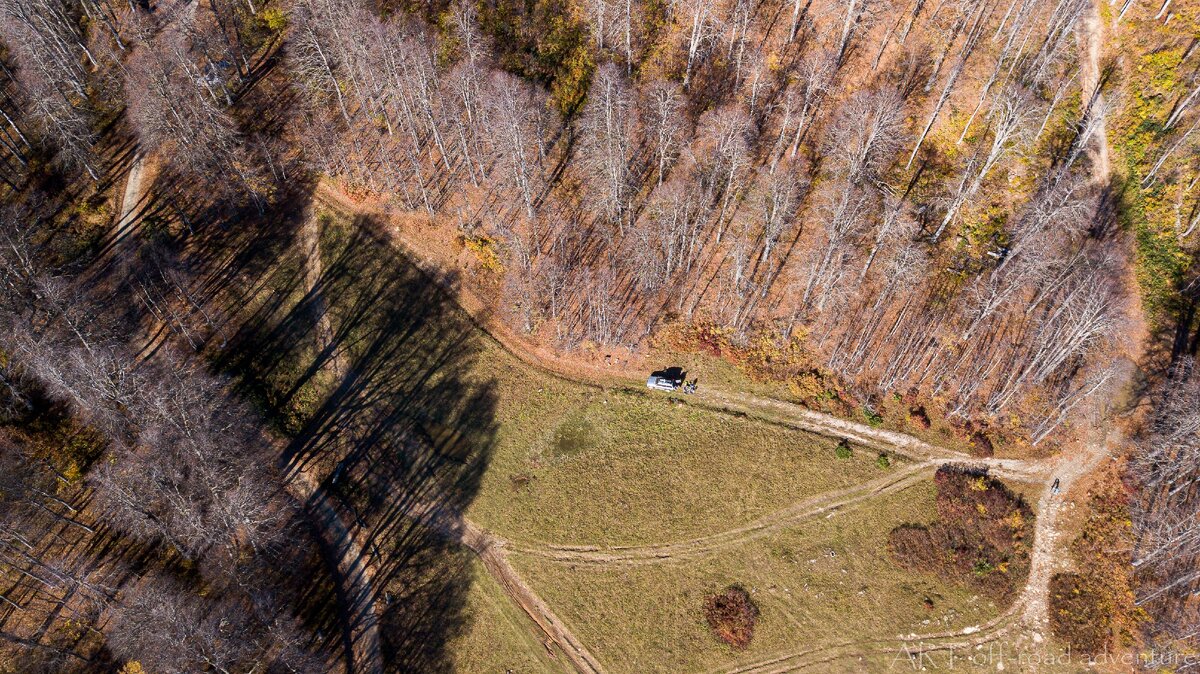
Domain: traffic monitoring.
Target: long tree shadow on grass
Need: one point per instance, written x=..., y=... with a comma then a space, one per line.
x=366, y=371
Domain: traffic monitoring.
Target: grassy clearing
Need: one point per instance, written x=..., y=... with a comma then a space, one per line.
x=826, y=582
x=570, y=463
x=498, y=636
x=574, y=465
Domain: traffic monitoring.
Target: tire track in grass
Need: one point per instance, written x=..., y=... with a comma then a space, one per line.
x=493, y=552
x=354, y=572
x=901, y=645
x=827, y=502
x=1027, y=616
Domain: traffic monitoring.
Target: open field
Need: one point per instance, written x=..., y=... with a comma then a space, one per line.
x=822, y=583
x=575, y=466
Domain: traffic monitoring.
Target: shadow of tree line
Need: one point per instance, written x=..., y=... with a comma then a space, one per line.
x=394, y=428
x=92, y=575
x=379, y=409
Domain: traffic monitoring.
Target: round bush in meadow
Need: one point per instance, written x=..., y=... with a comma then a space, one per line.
x=732, y=614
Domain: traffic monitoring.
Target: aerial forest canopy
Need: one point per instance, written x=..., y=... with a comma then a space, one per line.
x=980, y=212
x=911, y=193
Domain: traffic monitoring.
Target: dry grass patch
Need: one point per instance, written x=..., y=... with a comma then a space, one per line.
x=584, y=466
x=826, y=582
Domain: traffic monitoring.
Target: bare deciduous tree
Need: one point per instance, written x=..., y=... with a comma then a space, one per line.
x=866, y=134
x=173, y=109
x=190, y=476
x=49, y=47
x=1010, y=129
x=607, y=128
x=662, y=103
x=515, y=109
x=167, y=627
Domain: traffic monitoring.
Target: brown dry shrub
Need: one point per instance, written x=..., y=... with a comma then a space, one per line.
x=701, y=337
x=1092, y=609
x=982, y=535
x=1075, y=613
x=760, y=355
x=918, y=417
x=731, y=615
x=981, y=445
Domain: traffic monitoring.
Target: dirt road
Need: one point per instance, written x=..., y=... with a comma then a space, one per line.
x=1089, y=80
x=492, y=551
x=354, y=575
x=309, y=242
x=797, y=416
x=131, y=201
